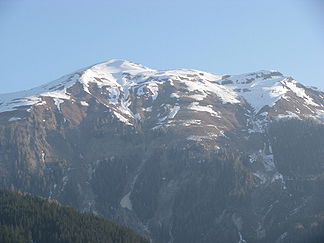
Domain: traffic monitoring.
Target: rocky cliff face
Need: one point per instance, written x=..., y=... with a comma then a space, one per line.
x=179, y=155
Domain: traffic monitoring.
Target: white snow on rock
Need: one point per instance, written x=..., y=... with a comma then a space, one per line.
x=199, y=138
x=191, y=122
x=265, y=88
x=58, y=103
x=56, y=89
x=288, y=115
x=196, y=107
x=175, y=95
x=201, y=88
x=148, y=109
x=125, y=202
x=84, y=103
x=300, y=92
x=154, y=88
x=111, y=72
x=256, y=90
x=14, y=119
x=122, y=81
x=173, y=112
x=122, y=118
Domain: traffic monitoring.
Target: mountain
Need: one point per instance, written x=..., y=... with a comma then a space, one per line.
x=177, y=155
x=27, y=218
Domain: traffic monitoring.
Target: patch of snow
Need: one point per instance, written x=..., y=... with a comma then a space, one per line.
x=288, y=115
x=201, y=138
x=55, y=89
x=191, y=122
x=121, y=118
x=241, y=240
x=42, y=102
x=300, y=92
x=202, y=88
x=148, y=109
x=257, y=91
x=196, y=107
x=270, y=149
x=252, y=158
x=58, y=103
x=195, y=138
x=157, y=127
x=154, y=88
x=126, y=202
x=84, y=103
x=60, y=94
x=173, y=112
x=14, y=119
x=43, y=156
x=162, y=119
x=111, y=73
x=175, y=95
x=265, y=88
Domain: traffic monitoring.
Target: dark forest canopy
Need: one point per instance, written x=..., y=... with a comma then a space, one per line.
x=27, y=218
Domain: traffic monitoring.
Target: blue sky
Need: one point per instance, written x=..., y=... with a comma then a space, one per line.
x=41, y=40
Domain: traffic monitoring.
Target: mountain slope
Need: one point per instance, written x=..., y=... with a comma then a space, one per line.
x=26, y=218
x=121, y=82
x=178, y=155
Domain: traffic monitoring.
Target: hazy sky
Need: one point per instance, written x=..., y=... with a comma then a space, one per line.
x=41, y=40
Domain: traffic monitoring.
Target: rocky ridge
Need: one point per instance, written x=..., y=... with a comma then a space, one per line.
x=160, y=151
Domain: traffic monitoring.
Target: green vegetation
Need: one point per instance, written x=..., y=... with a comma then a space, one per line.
x=26, y=218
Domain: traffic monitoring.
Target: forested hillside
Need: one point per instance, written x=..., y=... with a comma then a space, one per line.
x=26, y=218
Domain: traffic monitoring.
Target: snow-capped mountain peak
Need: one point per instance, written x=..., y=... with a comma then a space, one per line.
x=265, y=88
x=120, y=84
